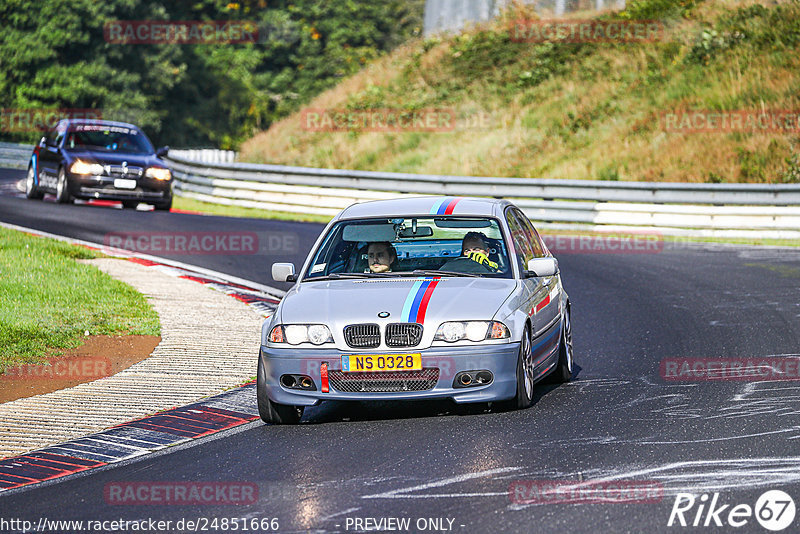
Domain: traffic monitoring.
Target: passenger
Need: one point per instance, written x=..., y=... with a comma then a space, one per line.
x=381, y=256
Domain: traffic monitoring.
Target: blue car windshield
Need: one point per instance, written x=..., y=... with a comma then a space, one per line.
x=108, y=138
x=472, y=246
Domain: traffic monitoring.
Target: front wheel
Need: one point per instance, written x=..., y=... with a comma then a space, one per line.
x=164, y=206
x=566, y=360
x=31, y=190
x=524, y=396
x=272, y=412
x=63, y=196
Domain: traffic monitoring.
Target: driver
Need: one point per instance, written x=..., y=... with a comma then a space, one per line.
x=474, y=256
x=381, y=256
x=475, y=248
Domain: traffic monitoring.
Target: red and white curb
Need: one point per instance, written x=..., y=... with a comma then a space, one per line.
x=129, y=440
x=153, y=432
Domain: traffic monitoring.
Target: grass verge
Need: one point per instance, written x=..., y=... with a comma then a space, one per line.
x=48, y=300
x=207, y=208
x=591, y=110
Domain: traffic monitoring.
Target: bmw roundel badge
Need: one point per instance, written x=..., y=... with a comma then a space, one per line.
x=384, y=315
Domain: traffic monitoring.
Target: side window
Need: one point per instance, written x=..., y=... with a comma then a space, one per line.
x=530, y=231
x=522, y=246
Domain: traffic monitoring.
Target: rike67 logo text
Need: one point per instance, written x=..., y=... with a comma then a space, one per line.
x=774, y=510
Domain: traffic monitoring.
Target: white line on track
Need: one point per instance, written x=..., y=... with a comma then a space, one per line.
x=396, y=494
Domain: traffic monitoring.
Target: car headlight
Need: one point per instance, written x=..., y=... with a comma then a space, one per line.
x=453, y=331
x=81, y=167
x=294, y=334
x=159, y=173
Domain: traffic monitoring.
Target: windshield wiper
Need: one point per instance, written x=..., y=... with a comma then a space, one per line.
x=351, y=276
x=435, y=272
x=337, y=276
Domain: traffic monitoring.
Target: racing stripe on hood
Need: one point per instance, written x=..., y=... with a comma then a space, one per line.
x=416, y=304
x=445, y=206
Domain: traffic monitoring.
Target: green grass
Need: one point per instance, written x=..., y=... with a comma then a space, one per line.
x=580, y=111
x=207, y=208
x=48, y=300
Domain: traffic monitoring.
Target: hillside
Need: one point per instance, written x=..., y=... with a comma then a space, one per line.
x=591, y=110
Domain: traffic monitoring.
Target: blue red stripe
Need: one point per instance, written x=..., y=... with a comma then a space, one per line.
x=416, y=304
x=423, y=306
x=451, y=206
x=445, y=206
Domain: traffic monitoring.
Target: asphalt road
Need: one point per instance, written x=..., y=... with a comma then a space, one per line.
x=619, y=420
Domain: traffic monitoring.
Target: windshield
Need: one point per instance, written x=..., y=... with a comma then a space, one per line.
x=453, y=246
x=108, y=138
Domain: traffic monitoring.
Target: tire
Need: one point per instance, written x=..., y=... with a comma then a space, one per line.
x=524, y=396
x=31, y=190
x=566, y=358
x=164, y=206
x=272, y=412
x=130, y=204
x=63, y=196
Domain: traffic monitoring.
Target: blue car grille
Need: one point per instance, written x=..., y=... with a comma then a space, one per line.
x=384, y=381
x=118, y=171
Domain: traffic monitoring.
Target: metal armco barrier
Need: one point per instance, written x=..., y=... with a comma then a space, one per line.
x=15, y=156
x=724, y=210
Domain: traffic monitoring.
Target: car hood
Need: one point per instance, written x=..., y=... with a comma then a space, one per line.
x=116, y=158
x=342, y=302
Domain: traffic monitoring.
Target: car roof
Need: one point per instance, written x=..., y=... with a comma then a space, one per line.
x=426, y=206
x=70, y=122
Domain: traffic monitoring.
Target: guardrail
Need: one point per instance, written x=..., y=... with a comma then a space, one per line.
x=727, y=210
x=14, y=155
x=732, y=210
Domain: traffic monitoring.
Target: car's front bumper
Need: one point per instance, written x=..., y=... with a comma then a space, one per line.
x=500, y=359
x=102, y=187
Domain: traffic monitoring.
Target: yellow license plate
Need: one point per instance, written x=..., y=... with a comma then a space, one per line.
x=360, y=363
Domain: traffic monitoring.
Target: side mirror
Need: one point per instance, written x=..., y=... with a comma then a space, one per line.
x=283, y=272
x=541, y=267
x=163, y=151
x=43, y=141
x=49, y=142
